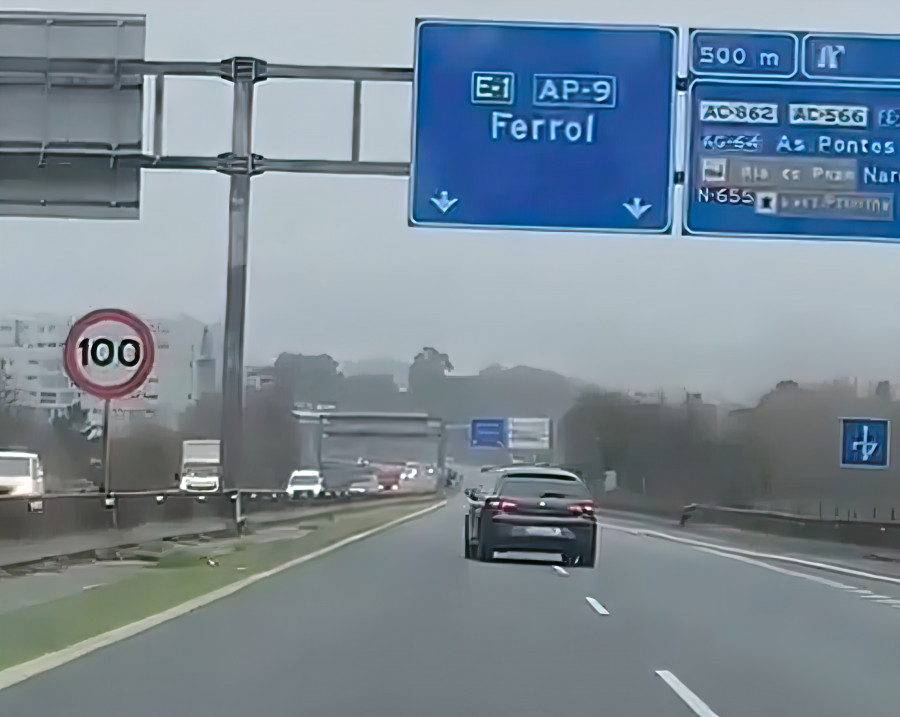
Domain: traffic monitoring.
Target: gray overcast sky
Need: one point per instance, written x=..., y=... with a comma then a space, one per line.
x=335, y=268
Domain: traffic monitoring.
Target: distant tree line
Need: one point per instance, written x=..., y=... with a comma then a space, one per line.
x=782, y=453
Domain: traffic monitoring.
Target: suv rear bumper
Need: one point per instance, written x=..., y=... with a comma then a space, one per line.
x=536, y=534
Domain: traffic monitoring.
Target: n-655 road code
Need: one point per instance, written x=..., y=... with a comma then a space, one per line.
x=738, y=112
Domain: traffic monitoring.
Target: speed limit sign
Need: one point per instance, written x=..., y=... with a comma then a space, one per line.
x=109, y=353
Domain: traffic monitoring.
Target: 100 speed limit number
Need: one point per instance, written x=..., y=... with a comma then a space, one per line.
x=103, y=351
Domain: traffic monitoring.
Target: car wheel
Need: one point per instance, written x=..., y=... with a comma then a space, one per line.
x=485, y=552
x=590, y=556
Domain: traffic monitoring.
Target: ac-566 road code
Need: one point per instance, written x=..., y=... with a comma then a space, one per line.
x=829, y=115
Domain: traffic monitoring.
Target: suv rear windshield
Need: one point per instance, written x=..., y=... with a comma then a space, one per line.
x=539, y=476
x=531, y=488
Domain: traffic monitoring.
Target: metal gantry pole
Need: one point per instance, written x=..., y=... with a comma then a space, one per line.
x=236, y=292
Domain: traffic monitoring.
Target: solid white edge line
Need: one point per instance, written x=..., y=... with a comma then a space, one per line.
x=560, y=571
x=766, y=556
x=18, y=673
x=597, y=606
x=773, y=568
x=699, y=707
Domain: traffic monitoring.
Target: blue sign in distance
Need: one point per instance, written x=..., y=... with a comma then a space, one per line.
x=543, y=126
x=865, y=443
x=784, y=155
x=488, y=433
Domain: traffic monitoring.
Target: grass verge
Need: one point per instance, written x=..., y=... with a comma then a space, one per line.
x=40, y=629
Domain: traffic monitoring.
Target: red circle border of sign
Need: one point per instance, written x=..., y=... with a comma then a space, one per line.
x=70, y=358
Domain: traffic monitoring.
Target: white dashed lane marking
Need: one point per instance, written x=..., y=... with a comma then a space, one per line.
x=597, y=606
x=699, y=707
x=560, y=571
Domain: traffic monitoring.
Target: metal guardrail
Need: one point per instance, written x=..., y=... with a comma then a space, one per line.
x=62, y=515
x=859, y=532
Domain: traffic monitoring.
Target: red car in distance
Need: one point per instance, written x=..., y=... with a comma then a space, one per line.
x=388, y=475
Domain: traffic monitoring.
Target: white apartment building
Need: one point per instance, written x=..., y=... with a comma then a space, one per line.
x=32, y=375
x=257, y=378
x=173, y=382
x=31, y=364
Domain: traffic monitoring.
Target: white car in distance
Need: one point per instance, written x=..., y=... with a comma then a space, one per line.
x=305, y=483
x=21, y=474
x=367, y=485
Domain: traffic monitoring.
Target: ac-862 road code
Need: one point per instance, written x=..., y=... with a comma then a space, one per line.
x=738, y=112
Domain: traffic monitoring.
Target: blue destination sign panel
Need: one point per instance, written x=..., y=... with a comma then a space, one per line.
x=543, y=126
x=488, y=433
x=791, y=154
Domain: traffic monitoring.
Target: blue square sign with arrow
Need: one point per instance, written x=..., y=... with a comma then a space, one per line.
x=865, y=443
x=543, y=126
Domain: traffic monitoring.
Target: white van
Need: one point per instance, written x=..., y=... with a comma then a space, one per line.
x=21, y=473
x=305, y=483
x=201, y=466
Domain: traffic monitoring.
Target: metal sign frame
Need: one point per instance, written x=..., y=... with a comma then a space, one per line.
x=67, y=123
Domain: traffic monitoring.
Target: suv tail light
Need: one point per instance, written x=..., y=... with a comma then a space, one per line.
x=585, y=508
x=501, y=505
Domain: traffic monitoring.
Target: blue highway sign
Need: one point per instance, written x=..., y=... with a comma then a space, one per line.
x=794, y=135
x=543, y=126
x=865, y=443
x=488, y=433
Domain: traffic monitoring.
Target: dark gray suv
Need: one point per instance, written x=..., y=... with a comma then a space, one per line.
x=533, y=510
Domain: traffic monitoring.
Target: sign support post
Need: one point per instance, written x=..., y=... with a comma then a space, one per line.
x=109, y=354
x=244, y=73
x=107, y=469
x=107, y=472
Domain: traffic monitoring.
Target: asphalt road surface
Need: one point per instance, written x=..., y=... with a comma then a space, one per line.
x=401, y=625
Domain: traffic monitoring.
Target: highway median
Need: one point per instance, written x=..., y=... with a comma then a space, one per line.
x=165, y=579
